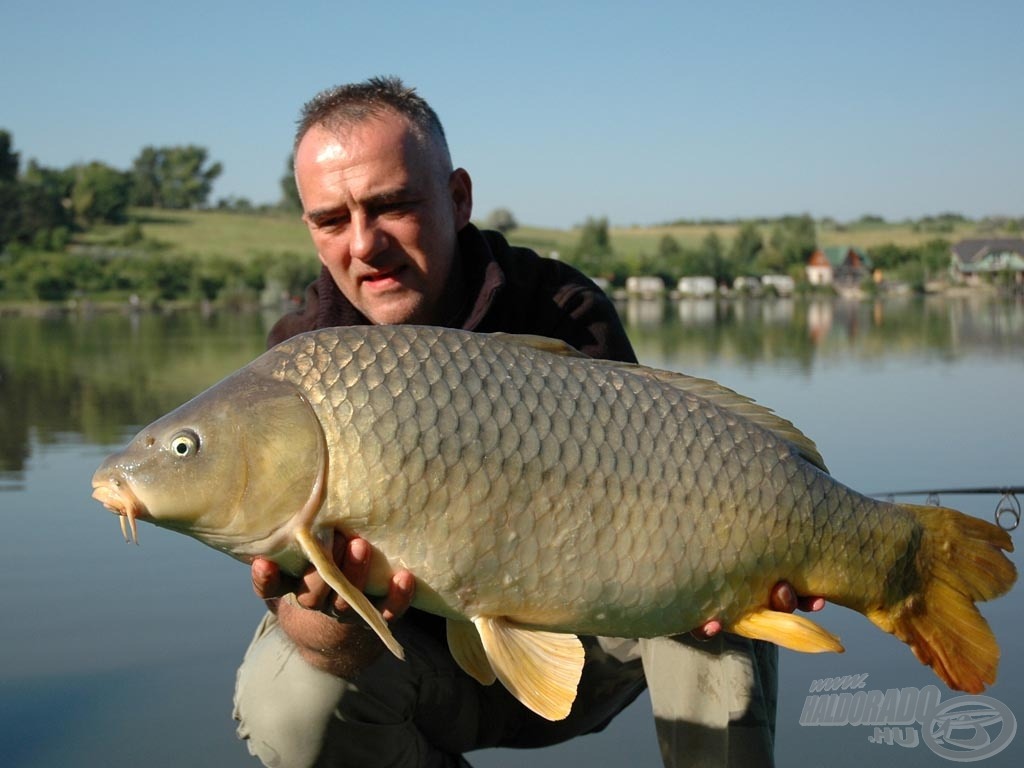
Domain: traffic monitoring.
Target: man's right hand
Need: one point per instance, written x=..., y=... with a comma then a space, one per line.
x=328, y=634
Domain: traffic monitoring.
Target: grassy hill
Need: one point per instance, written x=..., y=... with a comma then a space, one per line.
x=242, y=235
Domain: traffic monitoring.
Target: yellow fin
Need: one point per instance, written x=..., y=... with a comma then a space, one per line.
x=360, y=603
x=961, y=560
x=787, y=630
x=468, y=651
x=541, y=669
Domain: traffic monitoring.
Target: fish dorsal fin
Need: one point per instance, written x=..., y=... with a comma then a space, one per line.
x=360, y=603
x=468, y=651
x=541, y=669
x=741, y=405
x=788, y=630
x=543, y=343
x=709, y=390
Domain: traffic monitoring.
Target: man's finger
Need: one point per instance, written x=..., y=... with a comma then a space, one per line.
x=266, y=580
x=707, y=630
x=356, y=565
x=783, y=597
x=401, y=589
x=811, y=603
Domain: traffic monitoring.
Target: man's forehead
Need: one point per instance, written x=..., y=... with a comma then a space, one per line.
x=336, y=140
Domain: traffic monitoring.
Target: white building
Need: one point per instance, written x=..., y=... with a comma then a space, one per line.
x=784, y=285
x=647, y=287
x=696, y=286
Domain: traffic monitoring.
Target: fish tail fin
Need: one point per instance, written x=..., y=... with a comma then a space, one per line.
x=961, y=561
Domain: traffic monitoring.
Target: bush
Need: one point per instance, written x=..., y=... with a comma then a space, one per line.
x=169, y=276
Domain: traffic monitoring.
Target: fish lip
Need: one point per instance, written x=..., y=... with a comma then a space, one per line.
x=117, y=496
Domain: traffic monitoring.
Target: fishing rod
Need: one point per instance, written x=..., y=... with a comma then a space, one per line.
x=1008, y=508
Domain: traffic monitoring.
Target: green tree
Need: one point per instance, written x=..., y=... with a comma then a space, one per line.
x=593, y=253
x=667, y=261
x=211, y=275
x=44, y=206
x=501, y=220
x=935, y=255
x=792, y=242
x=100, y=194
x=745, y=248
x=9, y=159
x=170, y=276
x=712, y=255
x=10, y=207
x=290, y=200
x=172, y=177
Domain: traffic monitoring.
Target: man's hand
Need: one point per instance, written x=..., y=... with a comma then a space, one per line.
x=783, y=598
x=327, y=632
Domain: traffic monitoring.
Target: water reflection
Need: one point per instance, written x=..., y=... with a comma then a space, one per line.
x=97, y=376
x=795, y=332
x=100, y=376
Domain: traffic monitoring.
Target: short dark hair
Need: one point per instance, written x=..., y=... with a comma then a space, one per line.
x=346, y=105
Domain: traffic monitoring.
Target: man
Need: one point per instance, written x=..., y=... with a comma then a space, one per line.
x=390, y=218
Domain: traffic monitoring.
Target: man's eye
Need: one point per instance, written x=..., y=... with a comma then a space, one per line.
x=397, y=207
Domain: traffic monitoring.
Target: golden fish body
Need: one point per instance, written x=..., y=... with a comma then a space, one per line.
x=536, y=494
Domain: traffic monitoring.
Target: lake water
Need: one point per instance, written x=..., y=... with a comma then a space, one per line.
x=120, y=656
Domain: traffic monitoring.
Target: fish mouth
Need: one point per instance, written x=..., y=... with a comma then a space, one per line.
x=116, y=496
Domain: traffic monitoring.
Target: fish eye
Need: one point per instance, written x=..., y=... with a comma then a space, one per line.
x=185, y=443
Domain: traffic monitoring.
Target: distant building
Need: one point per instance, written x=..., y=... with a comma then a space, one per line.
x=784, y=285
x=819, y=269
x=970, y=259
x=842, y=266
x=696, y=286
x=748, y=285
x=646, y=287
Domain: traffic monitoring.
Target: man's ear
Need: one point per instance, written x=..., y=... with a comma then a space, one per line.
x=460, y=187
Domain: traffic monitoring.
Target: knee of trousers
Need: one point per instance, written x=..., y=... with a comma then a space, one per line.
x=282, y=704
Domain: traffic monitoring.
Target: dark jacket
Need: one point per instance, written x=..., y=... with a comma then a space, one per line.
x=514, y=290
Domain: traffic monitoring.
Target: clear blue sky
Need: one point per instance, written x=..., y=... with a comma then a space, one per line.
x=641, y=111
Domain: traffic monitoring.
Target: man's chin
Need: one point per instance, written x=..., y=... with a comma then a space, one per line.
x=399, y=310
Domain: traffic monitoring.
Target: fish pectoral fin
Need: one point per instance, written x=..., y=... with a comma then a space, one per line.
x=468, y=651
x=788, y=630
x=541, y=669
x=360, y=603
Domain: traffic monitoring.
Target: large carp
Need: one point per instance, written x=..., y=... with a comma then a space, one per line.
x=536, y=493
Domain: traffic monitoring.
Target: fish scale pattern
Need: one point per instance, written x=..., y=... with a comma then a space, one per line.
x=550, y=488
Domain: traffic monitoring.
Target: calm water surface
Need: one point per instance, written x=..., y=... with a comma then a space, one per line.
x=117, y=655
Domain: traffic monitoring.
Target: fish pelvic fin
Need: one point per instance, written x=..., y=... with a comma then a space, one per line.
x=330, y=573
x=541, y=669
x=468, y=651
x=961, y=561
x=788, y=630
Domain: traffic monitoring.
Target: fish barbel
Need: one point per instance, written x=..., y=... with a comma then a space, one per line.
x=537, y=494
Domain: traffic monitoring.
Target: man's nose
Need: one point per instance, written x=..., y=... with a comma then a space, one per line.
x=367, y=239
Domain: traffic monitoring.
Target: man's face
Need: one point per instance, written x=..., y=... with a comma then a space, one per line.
x=383, y=213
